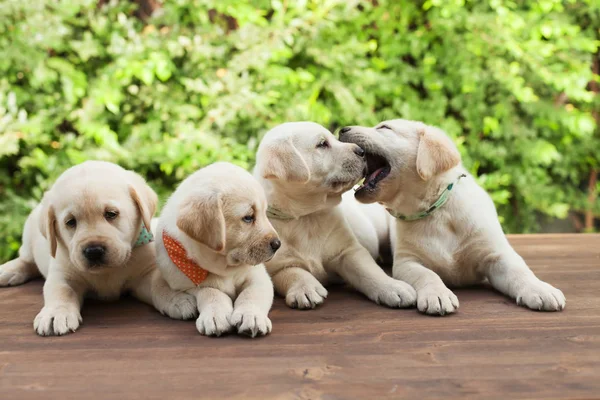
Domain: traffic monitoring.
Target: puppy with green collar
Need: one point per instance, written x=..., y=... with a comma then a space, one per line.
x=447, y=229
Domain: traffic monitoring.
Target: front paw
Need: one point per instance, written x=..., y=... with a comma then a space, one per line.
x=542, y=296
x=57, y=321
x=394, y=293
x=306, y=296
x=437, y=301
x=251, y=321
x=180, y=305
x=214, y=321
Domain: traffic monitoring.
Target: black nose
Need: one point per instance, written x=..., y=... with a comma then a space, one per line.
x=275, y=244
x=345, y=129
x=359, y=151
x=94, y=253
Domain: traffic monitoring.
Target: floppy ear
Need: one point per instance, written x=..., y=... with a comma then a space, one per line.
x=436, y=153
x=201, y=217
x=284, y=161
x=144, y=198
x=48, y=226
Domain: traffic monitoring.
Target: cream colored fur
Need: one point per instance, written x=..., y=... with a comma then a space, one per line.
x=304, y=170
x=205, y=214
x=56, y=251
x=461, y=243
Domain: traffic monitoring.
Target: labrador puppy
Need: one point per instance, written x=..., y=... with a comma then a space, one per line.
x=88, y=237
x=212, y=237
x=447, y=229
x=304, y=170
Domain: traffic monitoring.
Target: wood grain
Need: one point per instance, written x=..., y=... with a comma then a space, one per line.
x=347, y=349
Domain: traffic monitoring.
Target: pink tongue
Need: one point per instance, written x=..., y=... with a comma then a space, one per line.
x=374, y=175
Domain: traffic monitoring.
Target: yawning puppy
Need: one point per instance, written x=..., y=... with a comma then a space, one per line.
x=211, y=240
x=304, y=170
x=447, y=226
x=89, y=236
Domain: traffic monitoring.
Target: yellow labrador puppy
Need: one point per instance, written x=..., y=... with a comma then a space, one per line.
x=447, y=226
x=212, y=237
x=304, y=170
x=88, y=236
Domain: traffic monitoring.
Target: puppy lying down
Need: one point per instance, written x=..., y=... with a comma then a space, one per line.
x=211, y=240
x=89, y=237
x=447, y=229
x=304, y=170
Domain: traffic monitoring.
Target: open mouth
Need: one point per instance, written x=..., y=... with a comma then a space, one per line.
x=377, y=170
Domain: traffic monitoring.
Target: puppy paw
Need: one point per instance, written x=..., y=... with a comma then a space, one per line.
x=394, y=293
x=181, y=305
x=214, y=321
x=306, y=296
x=57, y=321
x=542, y=296
x=437, y=301
x=251, y=321
x=14, y=273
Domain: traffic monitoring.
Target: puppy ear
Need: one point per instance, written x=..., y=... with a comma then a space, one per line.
x=47, y=224
x=436, y=153
x=144, y=197
x=284, y=161
x=201, y=217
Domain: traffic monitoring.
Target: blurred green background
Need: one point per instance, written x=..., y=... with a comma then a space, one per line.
x=168, y=88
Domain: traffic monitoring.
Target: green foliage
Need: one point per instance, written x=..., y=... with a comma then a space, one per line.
x=507, y=80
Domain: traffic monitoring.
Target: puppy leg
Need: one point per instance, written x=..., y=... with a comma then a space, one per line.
x=433, y=297
x=511, y=276
x=215, y=312
x=62, y=304
x=358, y=269
x=154, y=290
x=17, y=272
x=299, y=287
x=251, y=309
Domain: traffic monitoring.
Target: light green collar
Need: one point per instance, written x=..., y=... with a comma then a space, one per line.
x=439, y=203
x=145, y=237
x=276, y=213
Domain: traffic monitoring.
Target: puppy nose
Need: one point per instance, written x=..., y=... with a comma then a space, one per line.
x=343, y=133
x=345, y=129
x=275, y=244
x=359, y=151
x=94, y=253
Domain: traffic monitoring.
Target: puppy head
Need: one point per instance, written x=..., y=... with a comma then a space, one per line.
x=307, y=154
x=224, y=208
x=400, y=153
x=94, y=212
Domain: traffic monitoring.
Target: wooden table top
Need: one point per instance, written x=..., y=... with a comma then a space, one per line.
x=349, y=348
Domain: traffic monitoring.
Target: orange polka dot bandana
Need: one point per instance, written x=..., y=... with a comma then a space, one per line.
x=178, y=255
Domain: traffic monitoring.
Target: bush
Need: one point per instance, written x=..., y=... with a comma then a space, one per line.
x=201, y=80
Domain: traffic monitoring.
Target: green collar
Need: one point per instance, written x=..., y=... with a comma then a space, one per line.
x=145, y=237
x=439, y=203
x=276, y=213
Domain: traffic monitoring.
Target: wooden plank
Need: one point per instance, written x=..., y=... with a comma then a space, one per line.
x=347, y=349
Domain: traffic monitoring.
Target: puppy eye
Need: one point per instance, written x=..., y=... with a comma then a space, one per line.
x=248, y=219
x=110, y=215
x=384, y=127
x=71, y=223
x=323, y=144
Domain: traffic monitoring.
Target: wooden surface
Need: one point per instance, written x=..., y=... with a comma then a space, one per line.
x=347, y=349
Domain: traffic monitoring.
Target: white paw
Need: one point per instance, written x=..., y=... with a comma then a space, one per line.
x=181, y=305
x=12, y=278
x=542, y=296
x=214, y=321
x=306, y=296
x=251, y=321
x=394, y=293
x=57, y=321
x=437, y=301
